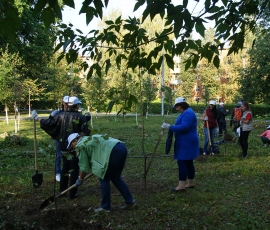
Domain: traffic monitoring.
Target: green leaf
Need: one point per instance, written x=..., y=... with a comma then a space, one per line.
x=192, y=45
x=109, y=22
x=200, y=28
x=39, y=6
x=56, y=8
x=98, y=5
x=185, y=2
x=225, y=2
x=47, y=17
x=69, y=3
x=90, y=72
x=108, y=65
x=169, y=61
x=216, y=61
x=138, y=4
x=110, y=106
x=188, y=64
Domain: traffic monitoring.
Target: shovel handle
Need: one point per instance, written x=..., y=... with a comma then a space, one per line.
x=35, y=145
x=72, y=186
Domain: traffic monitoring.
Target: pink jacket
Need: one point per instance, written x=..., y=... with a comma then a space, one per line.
x=266, y=134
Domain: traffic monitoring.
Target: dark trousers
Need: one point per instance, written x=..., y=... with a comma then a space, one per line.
x=243, y=141
x=265, y=140
x=221, y=128
x=186, y=170
x=116, y=165
x=70, y=167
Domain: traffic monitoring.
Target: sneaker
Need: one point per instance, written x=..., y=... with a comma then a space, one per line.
x=100, y=209
x=126, y=206
x=57, y=177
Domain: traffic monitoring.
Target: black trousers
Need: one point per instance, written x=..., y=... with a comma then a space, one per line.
x=243, y=141
x=70, y=168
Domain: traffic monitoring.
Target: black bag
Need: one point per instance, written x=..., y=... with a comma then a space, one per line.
x=169, y=142
x=215, y=149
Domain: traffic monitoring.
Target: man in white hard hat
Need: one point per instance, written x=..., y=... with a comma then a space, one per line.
x=105, y=157
x=59, y=128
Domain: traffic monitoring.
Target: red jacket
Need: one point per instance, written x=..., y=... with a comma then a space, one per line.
x=212, y=122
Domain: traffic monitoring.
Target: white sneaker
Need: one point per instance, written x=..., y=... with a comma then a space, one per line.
x=57, y=177
x=100, y=209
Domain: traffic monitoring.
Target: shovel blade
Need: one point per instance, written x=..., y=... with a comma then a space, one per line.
x=47, y=202
x=37, y=179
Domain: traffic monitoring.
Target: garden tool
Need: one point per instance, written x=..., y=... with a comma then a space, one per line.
x=51, y=199
x=209, y=138
x=37, y=178
x=154, y=153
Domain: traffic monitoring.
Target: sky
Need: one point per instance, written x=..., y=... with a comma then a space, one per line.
x=71, y=15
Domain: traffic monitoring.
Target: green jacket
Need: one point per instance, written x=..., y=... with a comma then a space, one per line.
x=94, y=153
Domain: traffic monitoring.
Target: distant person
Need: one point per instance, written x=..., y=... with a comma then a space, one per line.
x=265, y=137
x=57, y=145
x=221, y=113
x=105, y=157
x=186, y=145
x=210, y=125
x=235, y=118
x=246, y=125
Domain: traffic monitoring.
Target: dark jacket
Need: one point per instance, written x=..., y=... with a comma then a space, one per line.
x=63, y=124
x=221, y=113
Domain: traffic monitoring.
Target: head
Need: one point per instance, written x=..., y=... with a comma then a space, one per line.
x=245, y=106
x=65, y=102
x=221, y=104
x=268, y=128
x=212, y=104
x=180, y=104
x=239, y=103
x=72, y=140
x=73, y=103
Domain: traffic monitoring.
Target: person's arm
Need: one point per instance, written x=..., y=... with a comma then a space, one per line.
x=247, y=120
x=82, y=175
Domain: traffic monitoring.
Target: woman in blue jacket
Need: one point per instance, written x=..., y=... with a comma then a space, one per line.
x=186, y=145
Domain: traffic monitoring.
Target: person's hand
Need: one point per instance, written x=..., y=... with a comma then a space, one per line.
x=206, y=118
x=79, y=182
x=54, y=113
x=165, y=125
x=34, y=115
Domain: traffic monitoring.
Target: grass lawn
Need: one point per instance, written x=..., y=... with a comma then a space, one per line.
x=231, y=192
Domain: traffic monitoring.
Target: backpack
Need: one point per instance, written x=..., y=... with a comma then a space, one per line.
x=237, y=114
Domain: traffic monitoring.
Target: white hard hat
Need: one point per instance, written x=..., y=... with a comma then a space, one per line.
x=65, y=99
x=71, y=137
x=221, y=103
x=179, y=100
x=73, y=101
x=212, y=102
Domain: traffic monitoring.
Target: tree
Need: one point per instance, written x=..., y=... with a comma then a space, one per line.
x=255, y=78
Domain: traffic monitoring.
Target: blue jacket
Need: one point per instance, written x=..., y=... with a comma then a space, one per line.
x=186, y=145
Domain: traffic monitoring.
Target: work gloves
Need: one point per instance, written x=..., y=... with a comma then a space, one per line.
x=206, y=118
x=87, y=114
x=79, y=182
x=34, y=115
x=165, y=125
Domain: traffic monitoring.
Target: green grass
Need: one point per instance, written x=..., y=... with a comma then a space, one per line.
x=230, y=193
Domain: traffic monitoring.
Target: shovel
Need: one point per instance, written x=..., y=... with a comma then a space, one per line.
x=37, y=178
x=51, y=199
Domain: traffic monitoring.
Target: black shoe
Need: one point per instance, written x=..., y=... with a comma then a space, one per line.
x=178, y=190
